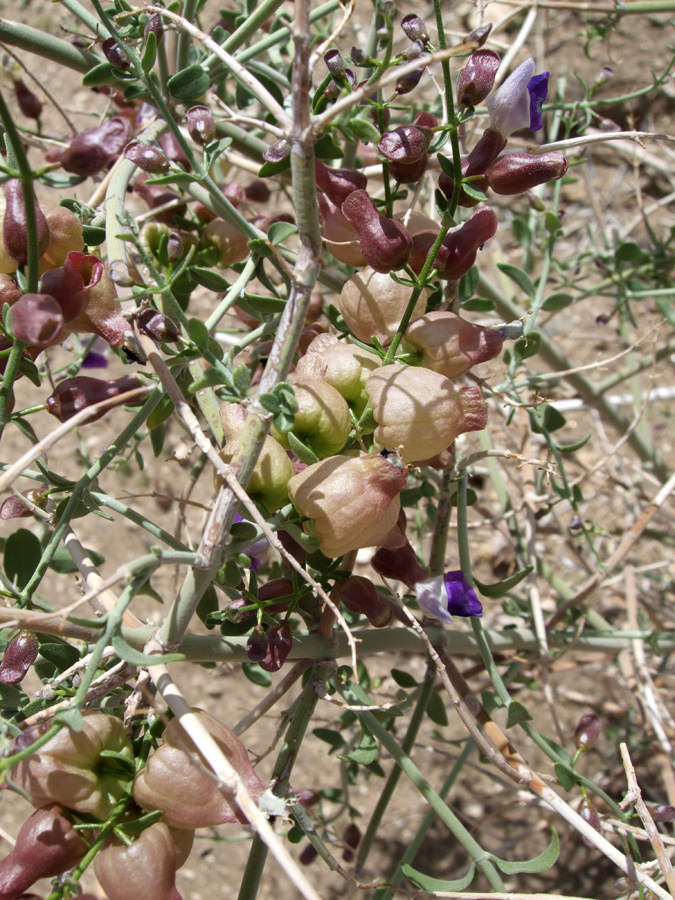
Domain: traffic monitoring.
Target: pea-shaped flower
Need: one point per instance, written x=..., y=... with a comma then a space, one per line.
x=449, y=344
x=419, y=412
x=447, y=596
x=352, y=502
x=518, y=103
x=372, y=304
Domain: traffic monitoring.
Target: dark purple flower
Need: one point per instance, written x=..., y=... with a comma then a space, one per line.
x=538, y=89
x=447, y=596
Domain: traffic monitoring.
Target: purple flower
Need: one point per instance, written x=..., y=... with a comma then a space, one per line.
x=447, y=596
x=517, y=104
x=259, y=547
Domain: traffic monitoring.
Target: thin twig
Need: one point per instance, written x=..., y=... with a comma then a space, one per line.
x=567, y=144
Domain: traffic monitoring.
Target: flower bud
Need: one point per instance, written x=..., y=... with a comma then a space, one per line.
x=419, y=412
x=385, y=243
x=589, y=814
x=157, y=326
x=237, y=612
x=200, y=125
x=14, y=230
x=276, y=589
x=115, y=55
x=174, y=247
x=405, y=144
x=372, y=304
x=399, y=565
x=353, y=502
x=360, y=596
x=458, y=251
x=414, y=28
x=66, y=769
x=19, y=656
x=72, y=283
x=479, y=35
x=335, y=87
x=256, y=645
x=94, y=148
x=308, y=855
x=408, y=83
x=13, y=508
x=359, y=58
x=449, y=344
x=277, y=152
x=75, y=394
x=335, y=64
x=29, y=104
x=9, y=290
x=587, y=732
x=476, y=79
x=351, y=838
x=173, y=783
x=147, y=158
x=155, y=25
x=322, y=420
x=47, y=845
x=518, y=172
x=338, y=184
x=279, y=644
x=37, y=320
x=273, y=470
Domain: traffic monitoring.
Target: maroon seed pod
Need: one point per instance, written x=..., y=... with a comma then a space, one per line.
x=662, y=813
x=458, y=251
x=360, y=596
x=71, y=283
x=587, y=732
x=256, y=645
x=14, y=231
x=338, y=184
x=477, y=78
x=446, y=184
x=29, y=104
x=359, y=58
x=399, y=565
x=409, y=173
x=13, y=508
x=276, y=589
x=149, y=159
x=518, y=172
x=75, y=394
x=308, y=855
x=405, y=144
x=589, y=814
x=335, y=65
x=334, y=88
x=19, y=656
x=201, y=125
x=236, y=612
x=37, y=320
x=408, y=83
x=154, y=24
x=174, y=247
x=291, y=546
x=478, y=36
x=279, y=643
x=157, y=326
x=277, y=152
x=414, y=28
x=115, y=55
x=486, y=151
x=92, y=150
x=385, y=244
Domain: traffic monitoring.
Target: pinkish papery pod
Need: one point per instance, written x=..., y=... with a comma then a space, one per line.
x=338, y=184
x=449, y=344
x=419, y=412
x=372, y=304
x=322, y=419
x=173, y=783
x=37, y=320
x=385, y=243
x=102, y=315
x=72, y=282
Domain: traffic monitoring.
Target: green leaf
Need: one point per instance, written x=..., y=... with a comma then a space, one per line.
x=71, y=718
x=242, y=380
x=447, y=165
x=304, y=453
x=270, y=402
x=173, y=178
x=92, y=235
x=268, y=169
x=403, y=679
x=136, y=658
x=22, y=557
x=493, y=591
x=472, y=191
x=61, y=656
x=149, y=52
x=135, y=826
x=557, y=301
x=328, y=736
x=257, y=675
x=279, y=231
x=667, y=310
x=115, y=760
x=326, y=148
x=531, y=866
x=516, y=713
x=551, y=222
x=433, y=885
x=564, y=776
x=436, y=710
x=160, y=413
x=103, y=73
x=365, y=130
x=199, y=333
x=572, y=448
x=60, y=180
x=479, y=304
x=189, y=84
x=521, y=278
x=367, y=751
x=527, y=346
x=12, y=697
x=212, y=281
x=62, y=561
x=547, y=418
x=208, y=604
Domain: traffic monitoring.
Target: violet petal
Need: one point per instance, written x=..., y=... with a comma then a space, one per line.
x=538, y=90
x=462, y=599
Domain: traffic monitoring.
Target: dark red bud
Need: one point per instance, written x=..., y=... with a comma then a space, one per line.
x=458, y=251
x=19, y=656
x=399, y=565
x=361, y=597
x=385, y=244
x=157, y=326
x=13, y=508
x=174, y=247
x=256, y=645
x=587, y=732
x=14, y=231
x=149, y=159
x=359, y=58
x=71, y=283
x=334, y=88
x=237, y=613
x=486, y=151
x=518, y=172
x=307, y=797
x=662, y=813
x=409, y=173
x=589, y=814
x=412, y=51
x=279, y=643
x=201, y=125
x=446, y=184
x=75, y=394
x=115, y=55
x=335, y=64
x=37, y=320
x=29, y=104
x=338, y=184
x=173, y=150
x=277, y=152
x=257, y=192
x=476, y=79
x=94, y=148
x=276, y=589
x=425, y=119
x=478, y=35
x=405, y=144
x=414, y=28
x=308, y=855
x=408, y=83
x=155, y=25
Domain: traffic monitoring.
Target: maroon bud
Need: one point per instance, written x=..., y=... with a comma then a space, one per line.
x=351, y=838
x=149, y=159
x=236, y=611
x=478, y=36
x=425, y=119
x=257, y=192
x=408, y=83
x=476, y=79
x=360, y=596
x=412, y=51
x=174, y=151
x=71, y=283
x=587, y=732
x=399, y=565
x=276, y=589
x=334, y=88
x=486, y=151
x=256, y=646
x=385, y=244
x=279, y=643
x=518, y=172
x=9, y=290
x=338, y=184
x=14, y=231
x=405, y=144
x=19, y=656
x=157, y=326
x=37, y=320
x=29, y=104
x=308, y=855
x=174, y=247
x=458, y=251
x=409, y=173
x=414, y=28
x=75, y=394
x=13, y=508
x=359, y=58
x=662, y=813
x=335, y=65
x=589, y=814
x=277, y=152
x=94, y=148
x=115, y=55
x=201, y=125
x=154, y=24
x=446, y=184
